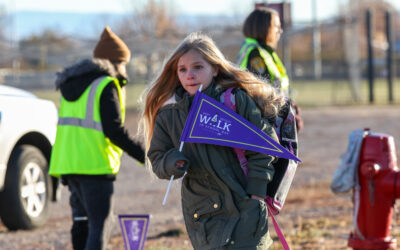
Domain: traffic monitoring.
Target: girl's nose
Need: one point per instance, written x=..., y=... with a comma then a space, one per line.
x=190, y=74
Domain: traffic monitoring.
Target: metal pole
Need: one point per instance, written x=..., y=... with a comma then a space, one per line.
x=389, y=56
x=316, y=42
x=286, y=39
x=370, y=57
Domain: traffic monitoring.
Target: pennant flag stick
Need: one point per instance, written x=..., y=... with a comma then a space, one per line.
x=170, y=180
x=172, y=177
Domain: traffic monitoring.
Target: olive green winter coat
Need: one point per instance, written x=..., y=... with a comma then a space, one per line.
x=216, y=203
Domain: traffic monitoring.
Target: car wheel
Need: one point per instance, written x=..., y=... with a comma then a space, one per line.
x=24, y=201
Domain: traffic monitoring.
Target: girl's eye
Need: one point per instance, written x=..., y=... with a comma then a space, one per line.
x=198, y=66
x=182, y=70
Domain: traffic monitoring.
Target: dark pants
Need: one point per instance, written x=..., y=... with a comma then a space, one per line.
x=91, y=204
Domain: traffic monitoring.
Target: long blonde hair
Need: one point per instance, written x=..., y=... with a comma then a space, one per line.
x=228, y=76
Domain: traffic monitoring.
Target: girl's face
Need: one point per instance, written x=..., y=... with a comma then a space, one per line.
x=194, y=71
x=274, y=31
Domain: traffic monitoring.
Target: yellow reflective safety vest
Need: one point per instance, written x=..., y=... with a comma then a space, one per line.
x=275, y=66
x=81, y=146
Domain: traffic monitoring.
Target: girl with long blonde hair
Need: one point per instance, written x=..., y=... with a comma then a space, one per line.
x=229, y=76
x=221, y=209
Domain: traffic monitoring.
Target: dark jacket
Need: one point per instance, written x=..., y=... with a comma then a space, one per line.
x=217, y=207
x=74, y=80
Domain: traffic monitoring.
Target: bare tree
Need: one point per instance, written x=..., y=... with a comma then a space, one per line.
x=155, y=19
x=45, y=49
x=3, y=17
x=151, y=32
x=8, y=50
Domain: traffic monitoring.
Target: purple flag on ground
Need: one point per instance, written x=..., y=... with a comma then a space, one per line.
x=209, y=121
x=134, y=230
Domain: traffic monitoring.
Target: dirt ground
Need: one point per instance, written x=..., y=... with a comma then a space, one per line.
x=312, y=218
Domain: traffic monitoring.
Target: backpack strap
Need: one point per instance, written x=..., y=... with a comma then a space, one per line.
x=285, y=127
x=278, y=230
x=228, y=98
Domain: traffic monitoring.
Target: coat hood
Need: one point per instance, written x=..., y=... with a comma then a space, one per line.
x=73, y=80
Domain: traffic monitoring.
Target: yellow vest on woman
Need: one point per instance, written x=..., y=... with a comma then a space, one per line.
x=81, y=146
x=275, y=67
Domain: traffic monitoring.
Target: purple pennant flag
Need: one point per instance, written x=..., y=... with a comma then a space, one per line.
x=209, y=121
x=134, y=230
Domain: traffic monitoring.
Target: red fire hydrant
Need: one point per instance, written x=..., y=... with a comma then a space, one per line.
x=379, y=188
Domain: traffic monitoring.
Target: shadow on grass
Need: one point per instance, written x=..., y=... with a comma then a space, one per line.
x=175, y=232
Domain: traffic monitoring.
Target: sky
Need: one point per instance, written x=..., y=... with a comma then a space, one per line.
x=301, y=9
x=55, y=20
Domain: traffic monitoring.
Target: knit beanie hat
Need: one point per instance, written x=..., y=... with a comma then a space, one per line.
x=111, y=47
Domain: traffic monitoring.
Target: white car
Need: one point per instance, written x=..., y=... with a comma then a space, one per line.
x=27, y=132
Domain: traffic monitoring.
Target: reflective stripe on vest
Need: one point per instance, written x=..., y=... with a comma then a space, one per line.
x=84, y=123
x=243, y=54
x=88, y=122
